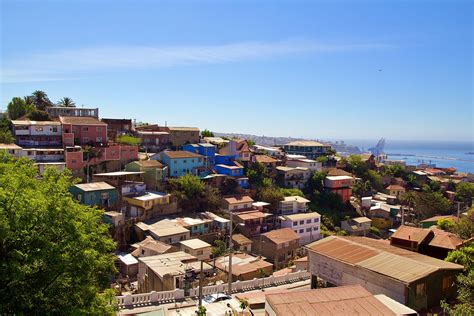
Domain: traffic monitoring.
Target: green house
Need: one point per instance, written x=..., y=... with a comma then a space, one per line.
x=155, y=172
x=100, y=194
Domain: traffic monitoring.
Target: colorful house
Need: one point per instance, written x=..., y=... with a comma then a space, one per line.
x=341, y=185
x=37, y=133
x=205, y=149
x=95, y=193
x=154, y=172
x=83, y=131
x=309, y=149
x=181, y=162
x=180, y=136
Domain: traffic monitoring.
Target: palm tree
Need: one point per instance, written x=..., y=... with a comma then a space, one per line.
x=41, y=100
x=67, y=102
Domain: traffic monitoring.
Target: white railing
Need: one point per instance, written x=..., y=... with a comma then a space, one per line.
x=239, y=286
x=150, y=298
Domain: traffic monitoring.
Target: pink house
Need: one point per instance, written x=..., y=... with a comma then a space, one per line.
x=341, y=185
x=83, y=131
x=74, y=155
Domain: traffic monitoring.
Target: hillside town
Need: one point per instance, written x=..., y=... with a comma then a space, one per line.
x=227, y=226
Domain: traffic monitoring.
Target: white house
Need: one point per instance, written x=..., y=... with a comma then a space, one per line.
x=293, y=204
x=306, y=225
x=310, y=164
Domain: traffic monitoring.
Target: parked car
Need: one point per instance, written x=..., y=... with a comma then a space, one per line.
x=213, y=298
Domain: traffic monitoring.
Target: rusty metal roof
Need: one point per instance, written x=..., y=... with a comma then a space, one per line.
x=380, y=257
x=343, y=300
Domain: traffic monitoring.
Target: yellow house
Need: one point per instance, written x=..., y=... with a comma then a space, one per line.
x=148, y=200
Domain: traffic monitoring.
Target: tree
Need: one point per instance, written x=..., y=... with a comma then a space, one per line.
x=201, y=311
x=38, y=115
x=262, y=273
x=230, y=186
x=41, y=100
x=207, y=133
x=357, y=166
x=243, y=305
x=446, y=224
x=292, y=192
x=67, y=102
x=465, y=282
x=428, y=204
x=375, y=180
x=315, y=183
x=193, y=195
x=271, y=195
x=57, y=255
x=465, y=192
x=251, y=142
x=218, y=250
x=6, y=137
x=17, y=108
x=256, y=172
x=128, y=140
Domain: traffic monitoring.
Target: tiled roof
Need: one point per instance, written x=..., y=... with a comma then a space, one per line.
x=28, y=122
x=241, y=239
x=149, y=163
x=338, y=172
x=411, y=233
x=395, y=187
x=151, y=244
x=282, y=235
x=342, y=300
x=238, y=200
x=438, y=217
x=81, y=120
x=181, y=154
x=195, y=243
x=264, y=159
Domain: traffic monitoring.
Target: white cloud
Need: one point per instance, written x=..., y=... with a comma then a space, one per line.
x=67, y=64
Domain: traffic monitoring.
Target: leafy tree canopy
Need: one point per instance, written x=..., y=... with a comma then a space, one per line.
x=18, y=107
x=465, y=192
x=207, y=133
x=56, y=254
x=38, y=115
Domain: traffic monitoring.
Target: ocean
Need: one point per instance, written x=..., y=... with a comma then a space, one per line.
x=443, y=154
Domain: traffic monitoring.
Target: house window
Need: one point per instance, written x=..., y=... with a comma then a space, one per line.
x=199, y=252
x=192, y=160
x=295, y=223
x=308, y=230
x=98, y=139
x=184, y=161
x=55, y=129
x=143, y=252
x=301, y=222
x=175, y=162
x=74, y=161
x=421, y=289
x=316, y=220
x=85, y=129
x=308, y=221
x=39, y=129
x=301, y=231
x=447, y=283
x=315, y=228
x=85, y=139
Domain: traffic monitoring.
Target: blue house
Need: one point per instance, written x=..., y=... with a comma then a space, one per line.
x=234, y=170
x=181, y=162
x=99, y=194
x=225, y=159
x=204, y=149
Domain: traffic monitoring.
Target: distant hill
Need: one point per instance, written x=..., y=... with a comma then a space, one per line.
x=261, y=140
x=278, y=141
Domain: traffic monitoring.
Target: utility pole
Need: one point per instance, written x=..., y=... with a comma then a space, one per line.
x=200, y=284
x=230, y=255
x=403, y=214
x=459, y=208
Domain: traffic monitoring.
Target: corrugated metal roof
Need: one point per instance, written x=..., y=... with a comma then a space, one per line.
x=380, y=257
x=397, y=267
x=343, y=300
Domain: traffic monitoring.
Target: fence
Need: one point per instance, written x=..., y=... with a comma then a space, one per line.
x=150, y=298
x=238, y=286
x=241, y=286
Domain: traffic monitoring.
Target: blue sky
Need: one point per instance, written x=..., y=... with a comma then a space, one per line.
x=314, y=69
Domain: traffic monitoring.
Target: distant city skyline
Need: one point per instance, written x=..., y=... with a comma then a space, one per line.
x=309, y=69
